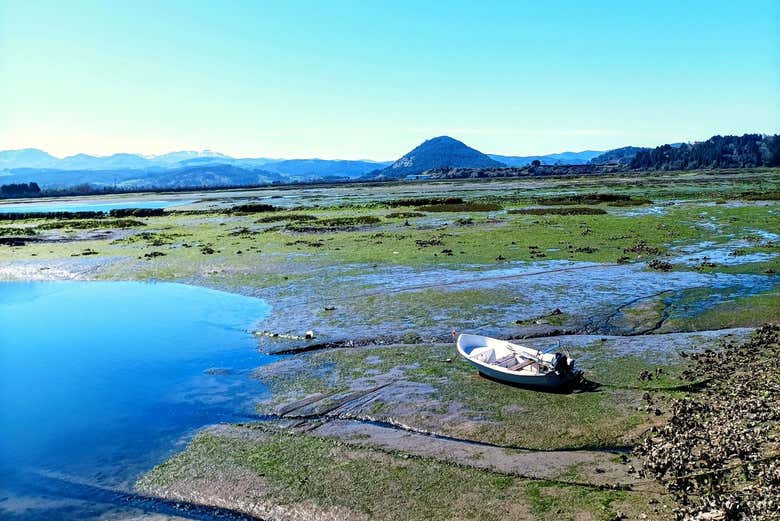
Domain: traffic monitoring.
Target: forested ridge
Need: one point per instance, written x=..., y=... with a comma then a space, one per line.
x=746, y=151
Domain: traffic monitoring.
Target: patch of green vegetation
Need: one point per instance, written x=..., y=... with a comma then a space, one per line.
x=86, y=224
x=624, y=371
x=335, y=224
x=17, y=231
x=308, y=469
x=760, y=196
x=747, y=311
x=536, y=419
x=555, y=502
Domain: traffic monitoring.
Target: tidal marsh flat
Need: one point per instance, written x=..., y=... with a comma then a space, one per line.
x=376, y=417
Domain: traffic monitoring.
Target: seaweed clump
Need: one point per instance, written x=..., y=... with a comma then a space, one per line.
x=611, y=199
x=424, y=201
x=461, y=207
x=253, y=208
x=334, y=224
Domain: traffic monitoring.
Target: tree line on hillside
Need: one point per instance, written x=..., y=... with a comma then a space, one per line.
x=20, y=190
x=747, y=151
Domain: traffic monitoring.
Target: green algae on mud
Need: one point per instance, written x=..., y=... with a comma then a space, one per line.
x=746, y=310
x=304, y=469
x=361, y=235
x=306, y=476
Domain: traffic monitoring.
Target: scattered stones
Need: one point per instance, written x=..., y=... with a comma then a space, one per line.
x=281, y=336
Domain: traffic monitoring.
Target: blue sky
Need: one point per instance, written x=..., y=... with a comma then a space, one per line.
x=369, y=79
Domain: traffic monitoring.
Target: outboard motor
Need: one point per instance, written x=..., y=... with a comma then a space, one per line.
x=561, y=364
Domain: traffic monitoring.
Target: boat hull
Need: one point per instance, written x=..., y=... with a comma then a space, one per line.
x=550, y=380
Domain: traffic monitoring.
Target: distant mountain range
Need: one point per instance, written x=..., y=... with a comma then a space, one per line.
x=564, y=158
x=206, y=168
x=173, y=170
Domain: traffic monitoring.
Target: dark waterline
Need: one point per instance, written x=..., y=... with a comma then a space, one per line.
x=99, y=381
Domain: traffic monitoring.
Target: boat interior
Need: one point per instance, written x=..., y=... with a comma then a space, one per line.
x=506, y=358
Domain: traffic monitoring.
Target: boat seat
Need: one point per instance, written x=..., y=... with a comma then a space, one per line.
x=506, y=361
x=521, y=365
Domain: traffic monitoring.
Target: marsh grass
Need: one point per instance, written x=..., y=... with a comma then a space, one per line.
x=87, y=224
x=17, y=231
x=301, y=468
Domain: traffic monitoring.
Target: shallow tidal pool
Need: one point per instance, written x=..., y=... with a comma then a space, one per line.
x=90, y=206
x=100, y=381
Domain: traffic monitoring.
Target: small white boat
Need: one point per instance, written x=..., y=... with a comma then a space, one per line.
x=517, y=364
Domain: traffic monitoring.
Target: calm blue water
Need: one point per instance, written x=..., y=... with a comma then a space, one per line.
x=105, y=206
x=99, y=381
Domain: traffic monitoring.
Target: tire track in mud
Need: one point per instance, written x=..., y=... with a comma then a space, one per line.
x=336, y=411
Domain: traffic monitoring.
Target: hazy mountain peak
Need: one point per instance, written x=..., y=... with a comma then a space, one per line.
x=439, y=152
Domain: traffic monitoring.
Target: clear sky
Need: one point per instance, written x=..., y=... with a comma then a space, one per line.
x=370, y=79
